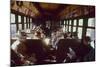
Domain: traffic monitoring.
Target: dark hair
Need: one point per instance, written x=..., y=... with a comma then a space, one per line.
x=87, y=38
x=23, y=34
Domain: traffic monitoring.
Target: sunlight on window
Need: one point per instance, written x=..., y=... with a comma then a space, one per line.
x=70, y=22
x=81, y=22
x=30, y=19
x=74, y=29
x=24, y=26
x=20, y=26
x=79, y=32
x=69, y=28
x=12, y=18
x=91, y=33
x=91, y=22
x=63, y=28
x=64, y=22
x=75, y=22
x=24, y=19
x=19, y=18
x=13, y=30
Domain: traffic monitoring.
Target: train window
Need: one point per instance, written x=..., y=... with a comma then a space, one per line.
x=20, y=26
x=66, y=22
x=81, y=22
x=30, y=19
x=12, y=18
x=24, y=19
x=64, y=28
x=74, y=29
x=69, y=28
x=91, y=33
x=91, y=22
x=24, y=26
x=75, y=22
x=31, y=26
x=19, y=18
x=13, y=30
x=79, y=32
x=70, y=22
x=27, y=19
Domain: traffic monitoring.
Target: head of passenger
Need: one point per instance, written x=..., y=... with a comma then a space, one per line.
x=38, y=34
x=86, y=40
x=68, y=34
x=74, y=35
x=65, y=35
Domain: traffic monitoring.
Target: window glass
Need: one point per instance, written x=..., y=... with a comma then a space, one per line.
x=13, y=30
x=79, y=32
x=30, y=25
x=69, y=28
x=24, y=26
x=74, y=29
x=63, y=28
x=24, y=19
x=91, y=22
x=70, y=22
x=75, y=22
x=20, y=26
x=64, y=22
x=81, y=22
x=91, y=33
x=30, y=19
x=12, y=18
x=19, y=19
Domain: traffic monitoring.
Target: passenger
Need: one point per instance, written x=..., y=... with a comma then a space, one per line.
x=53, y=39
x=21, y=39
x=56, y=36
x=20, y=48
x=85, y=50
x=65, y=35
x=69, y=35
x=74, y=35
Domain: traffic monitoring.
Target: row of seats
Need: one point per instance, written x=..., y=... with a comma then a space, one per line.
x=42, y=52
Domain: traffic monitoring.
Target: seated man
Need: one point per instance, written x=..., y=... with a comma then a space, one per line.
x=19, y=47
x=86, y=51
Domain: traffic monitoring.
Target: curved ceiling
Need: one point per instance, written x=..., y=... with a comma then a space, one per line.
x=50, y=10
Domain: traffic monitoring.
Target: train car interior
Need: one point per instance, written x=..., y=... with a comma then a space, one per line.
x=51, y=33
